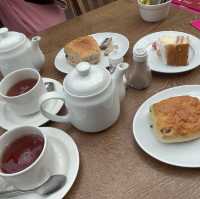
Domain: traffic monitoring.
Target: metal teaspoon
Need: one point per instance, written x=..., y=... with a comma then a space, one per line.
x=53, y=184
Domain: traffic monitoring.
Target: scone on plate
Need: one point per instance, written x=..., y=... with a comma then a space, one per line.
x=176, y=119
x=82, y=49
x=173, y=51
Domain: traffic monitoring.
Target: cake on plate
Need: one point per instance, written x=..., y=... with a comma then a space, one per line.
x=82, y=49
x=176, y=119
x=173, y=51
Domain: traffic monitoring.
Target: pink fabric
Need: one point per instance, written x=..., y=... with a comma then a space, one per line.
x=29, y=18
x=193, y=5
x=196, y=24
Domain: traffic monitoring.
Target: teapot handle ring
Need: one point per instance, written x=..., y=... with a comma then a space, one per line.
x=56, y=96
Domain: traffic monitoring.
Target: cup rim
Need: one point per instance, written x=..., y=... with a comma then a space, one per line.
x=153, y=6
x=23, y=94
x=33, y=163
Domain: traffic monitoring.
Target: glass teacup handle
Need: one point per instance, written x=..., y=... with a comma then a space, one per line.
x=55, y=96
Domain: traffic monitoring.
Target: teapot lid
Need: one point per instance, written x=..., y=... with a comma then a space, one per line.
x=10, y=39
x=87, y=80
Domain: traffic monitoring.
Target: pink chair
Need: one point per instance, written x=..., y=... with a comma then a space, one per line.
x=29, y=18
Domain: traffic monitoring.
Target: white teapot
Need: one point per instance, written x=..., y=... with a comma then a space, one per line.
x=17, y=51
x=92, y=96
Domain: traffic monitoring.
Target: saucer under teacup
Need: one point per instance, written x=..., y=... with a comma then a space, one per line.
x=65, y=161
x=10, y=120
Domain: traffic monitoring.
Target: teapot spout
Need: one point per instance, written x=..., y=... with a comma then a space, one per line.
x=118, y=80
x=119, y=71
x=38, y=58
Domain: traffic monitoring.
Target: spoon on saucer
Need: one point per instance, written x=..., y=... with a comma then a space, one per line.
x=53, y=184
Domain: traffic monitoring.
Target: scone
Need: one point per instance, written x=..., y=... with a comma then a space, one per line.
x=176, y=119
x=82, y=49
x=173, y=51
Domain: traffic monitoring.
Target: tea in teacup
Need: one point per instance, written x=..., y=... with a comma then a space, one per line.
x=24, y=157
x=22, y=87
x=21, y=153
x=21, y=91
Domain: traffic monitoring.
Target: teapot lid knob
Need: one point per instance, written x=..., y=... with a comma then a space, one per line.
x=3, y=32
x=83, y=68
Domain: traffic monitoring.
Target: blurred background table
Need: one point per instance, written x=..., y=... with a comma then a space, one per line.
x=112, y=166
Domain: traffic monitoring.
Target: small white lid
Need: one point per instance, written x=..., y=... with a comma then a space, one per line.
x=87, y=80
x=114, y=60
x=139, y=55
x=10, y=40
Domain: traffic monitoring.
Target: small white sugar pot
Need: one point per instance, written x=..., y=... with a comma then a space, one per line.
x=91, y=95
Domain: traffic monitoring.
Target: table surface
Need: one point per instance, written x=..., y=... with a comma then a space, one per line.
x=112, y=166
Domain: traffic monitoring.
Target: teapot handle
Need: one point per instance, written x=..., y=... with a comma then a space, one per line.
x=56, y=96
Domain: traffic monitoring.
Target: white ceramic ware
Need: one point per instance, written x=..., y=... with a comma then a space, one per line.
x=156, y=63
x=120, y=40
x=92, y=97
x=10, y=119
x=154, y=13
x=26, y=103
x=65, y=158
x=115, y=60
x=177, y=154
x=35, y=174
x=17, y=51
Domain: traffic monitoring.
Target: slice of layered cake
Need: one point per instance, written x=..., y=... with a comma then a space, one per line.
x=182, y=50
x=173, y=51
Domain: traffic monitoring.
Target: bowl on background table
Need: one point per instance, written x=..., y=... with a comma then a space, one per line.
x=154, y=13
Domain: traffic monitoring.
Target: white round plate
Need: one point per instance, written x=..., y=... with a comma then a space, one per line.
x=10, y=120
x=65, y=161
x=179, y=154
x=155, y=62
x=62, y=65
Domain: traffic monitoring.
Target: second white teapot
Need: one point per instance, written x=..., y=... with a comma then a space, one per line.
x=17, y=51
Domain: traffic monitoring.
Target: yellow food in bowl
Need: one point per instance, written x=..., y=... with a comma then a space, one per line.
x=148, y=2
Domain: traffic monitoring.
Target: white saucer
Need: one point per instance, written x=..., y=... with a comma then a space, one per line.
x=62, y=65
x=10, y=120
x=155, y=62
x=65, y=161
x=178, y=154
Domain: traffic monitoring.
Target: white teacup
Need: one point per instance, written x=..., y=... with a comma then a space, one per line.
x=26, y=103
x=35, y=174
